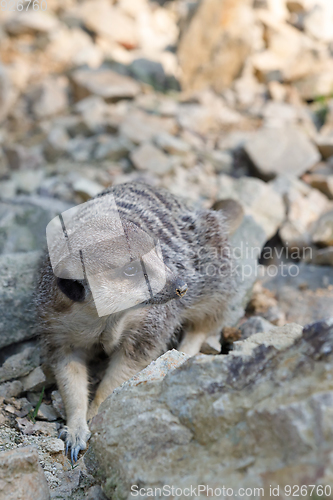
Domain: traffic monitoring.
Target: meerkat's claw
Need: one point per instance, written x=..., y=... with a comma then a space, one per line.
x=76, y=440
x=74, y=453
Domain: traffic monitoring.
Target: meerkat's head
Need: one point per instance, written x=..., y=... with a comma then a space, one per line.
x=122, y=264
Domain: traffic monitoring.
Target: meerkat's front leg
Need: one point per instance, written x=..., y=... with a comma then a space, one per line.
x=72, y=379
x=120, y=369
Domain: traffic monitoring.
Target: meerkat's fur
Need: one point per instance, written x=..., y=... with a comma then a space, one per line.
x=196, y=253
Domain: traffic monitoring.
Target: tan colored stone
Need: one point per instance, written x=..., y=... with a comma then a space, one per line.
x=21, y=476
x=148, y=157
x=221, y=50
x=105, y=83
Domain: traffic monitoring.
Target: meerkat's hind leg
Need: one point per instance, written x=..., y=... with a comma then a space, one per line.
x=72, y=379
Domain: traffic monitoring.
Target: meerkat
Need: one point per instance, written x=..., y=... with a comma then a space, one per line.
x=194, y=259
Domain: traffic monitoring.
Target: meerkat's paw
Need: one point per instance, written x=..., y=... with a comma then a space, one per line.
x=75, y=438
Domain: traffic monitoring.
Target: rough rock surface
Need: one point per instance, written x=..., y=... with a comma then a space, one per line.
x=21, y=476
x=258, y=200
x=276, y=151
x=304, y=293
x=17, y=275
x=199, y=422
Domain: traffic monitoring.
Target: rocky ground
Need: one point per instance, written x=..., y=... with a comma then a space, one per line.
x=95, y=93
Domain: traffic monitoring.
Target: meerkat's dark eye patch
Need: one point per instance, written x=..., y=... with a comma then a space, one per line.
x=72, y=289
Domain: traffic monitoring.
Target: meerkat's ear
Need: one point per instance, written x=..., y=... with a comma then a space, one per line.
x=72, y=289
x=232, y=211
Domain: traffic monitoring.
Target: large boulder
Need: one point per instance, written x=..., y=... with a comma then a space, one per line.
x=258, y=417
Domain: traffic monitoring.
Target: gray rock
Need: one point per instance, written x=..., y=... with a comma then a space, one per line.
x=104, y=83
x=28, y=181
x=17, y=314
x=58, y=404
x=47, y=412
x=157, y=369
x=49, y=429
x=207, y=117
x=152, y=73
x=23, y=221
x=325, y=145
x=304, y=292
x=222, y=161
x=149, y=158
x=224, y=420
x=56, y=143
x=20, y=157
x=21, y=475
x=172, y=145
x=255, y=324
x=92, y=105
x=19, y=361
x=322, y=257
x=11, y=389
x=94, y=115
x=279, y=337
x=81, y=148
x=4, y=168
x=54, y=445
x=95, y=493
x=50, y=97
x=8, y=189
x=322, y=232
x=141, y=127
x=279, y=114
x=257, y=198
x=247, y=243
x=112, y=148
x=276, y=151
x=35, y=381
x=304, y=207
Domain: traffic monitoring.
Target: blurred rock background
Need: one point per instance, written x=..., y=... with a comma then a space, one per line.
x=212, y=99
